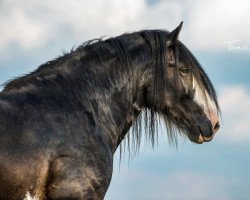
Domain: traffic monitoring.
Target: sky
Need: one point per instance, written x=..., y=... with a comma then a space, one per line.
x=33, y=32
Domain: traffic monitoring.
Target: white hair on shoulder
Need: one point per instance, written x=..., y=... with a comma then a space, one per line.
x=29, y=197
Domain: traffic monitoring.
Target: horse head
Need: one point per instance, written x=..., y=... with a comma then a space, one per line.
x=186, y=98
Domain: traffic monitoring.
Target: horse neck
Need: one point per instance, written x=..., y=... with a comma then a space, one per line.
x=118, y=98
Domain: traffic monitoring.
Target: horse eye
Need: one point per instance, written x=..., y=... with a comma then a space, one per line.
x=184, y=70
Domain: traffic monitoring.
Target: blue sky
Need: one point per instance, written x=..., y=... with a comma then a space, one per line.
x=35, y=32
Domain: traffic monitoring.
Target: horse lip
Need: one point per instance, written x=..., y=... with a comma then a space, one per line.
x=198, y=140
x=208, y=139
x=202, y=139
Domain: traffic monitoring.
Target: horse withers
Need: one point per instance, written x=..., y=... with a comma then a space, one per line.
x=62, y=123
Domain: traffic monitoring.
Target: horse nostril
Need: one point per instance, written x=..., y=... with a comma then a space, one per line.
x=216, y=127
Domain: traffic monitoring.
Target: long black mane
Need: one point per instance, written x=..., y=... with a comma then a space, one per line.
x=60, y=74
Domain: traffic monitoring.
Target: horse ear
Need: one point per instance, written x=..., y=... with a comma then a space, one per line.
x=172, y=36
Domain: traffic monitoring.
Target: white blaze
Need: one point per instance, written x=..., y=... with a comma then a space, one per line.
x=204, y=100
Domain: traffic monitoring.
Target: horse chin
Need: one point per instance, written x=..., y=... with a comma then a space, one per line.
x=199, y=139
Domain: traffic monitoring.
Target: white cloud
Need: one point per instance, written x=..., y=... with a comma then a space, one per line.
x=212, y=23
x=196, y=186
x=17, y=27
x=30, y=24
x=235, y=106
x=179, y=185
x=207, y=25
x=97, y=18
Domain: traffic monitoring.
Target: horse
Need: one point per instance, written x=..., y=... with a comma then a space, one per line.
x=62, y=123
